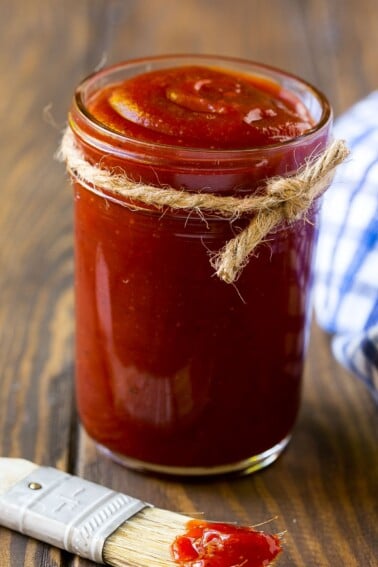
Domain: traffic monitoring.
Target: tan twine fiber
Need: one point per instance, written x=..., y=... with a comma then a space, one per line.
x=285, y=199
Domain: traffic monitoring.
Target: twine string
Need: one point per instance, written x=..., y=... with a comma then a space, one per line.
x=285, y=199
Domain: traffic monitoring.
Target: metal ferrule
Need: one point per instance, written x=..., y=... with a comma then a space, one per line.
x=66, y=511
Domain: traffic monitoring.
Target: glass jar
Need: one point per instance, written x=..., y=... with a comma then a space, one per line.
x=178, y=372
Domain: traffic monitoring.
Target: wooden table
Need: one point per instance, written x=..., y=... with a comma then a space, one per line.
x=322, y=490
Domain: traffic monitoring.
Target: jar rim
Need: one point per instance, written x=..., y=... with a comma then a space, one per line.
x=197, y=153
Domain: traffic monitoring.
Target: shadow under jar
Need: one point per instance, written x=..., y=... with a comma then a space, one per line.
x=177, y=371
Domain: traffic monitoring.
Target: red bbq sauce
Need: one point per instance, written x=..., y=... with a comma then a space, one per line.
x=175, y=368
x=202, y=107
x=224, y=545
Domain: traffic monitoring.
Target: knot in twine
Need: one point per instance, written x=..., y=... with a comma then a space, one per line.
x=285, y=199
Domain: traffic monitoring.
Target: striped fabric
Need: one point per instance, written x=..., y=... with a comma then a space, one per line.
x=346, y=266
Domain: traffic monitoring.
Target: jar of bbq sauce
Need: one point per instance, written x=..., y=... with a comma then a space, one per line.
x=177, y=371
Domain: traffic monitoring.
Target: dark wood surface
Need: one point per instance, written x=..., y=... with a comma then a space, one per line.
x=323, y=490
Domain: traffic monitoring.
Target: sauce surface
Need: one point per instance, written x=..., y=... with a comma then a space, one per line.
x=202, y=107
x=224, y=545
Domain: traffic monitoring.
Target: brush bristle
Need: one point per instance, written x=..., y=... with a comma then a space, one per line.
x=145, y=539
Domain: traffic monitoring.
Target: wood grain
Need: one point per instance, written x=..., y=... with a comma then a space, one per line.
x=322, y=491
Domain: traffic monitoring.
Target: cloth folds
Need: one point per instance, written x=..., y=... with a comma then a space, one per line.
x=346, y=263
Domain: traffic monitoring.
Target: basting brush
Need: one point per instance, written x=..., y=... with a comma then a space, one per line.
x=111, y=528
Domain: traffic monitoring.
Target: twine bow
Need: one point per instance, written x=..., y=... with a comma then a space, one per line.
x=285, y=199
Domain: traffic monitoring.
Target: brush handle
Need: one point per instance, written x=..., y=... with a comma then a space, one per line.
x=66, y=511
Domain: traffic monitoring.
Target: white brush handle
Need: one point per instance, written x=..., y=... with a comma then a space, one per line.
x=12, y=471
x=66, y=511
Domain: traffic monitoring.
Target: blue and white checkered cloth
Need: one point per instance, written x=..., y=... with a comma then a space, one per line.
x=346, y=266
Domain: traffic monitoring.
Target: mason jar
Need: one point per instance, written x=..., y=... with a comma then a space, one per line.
x=177, y=371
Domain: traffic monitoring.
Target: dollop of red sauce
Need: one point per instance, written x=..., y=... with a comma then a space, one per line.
x=204, y=107
x=224, y=545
